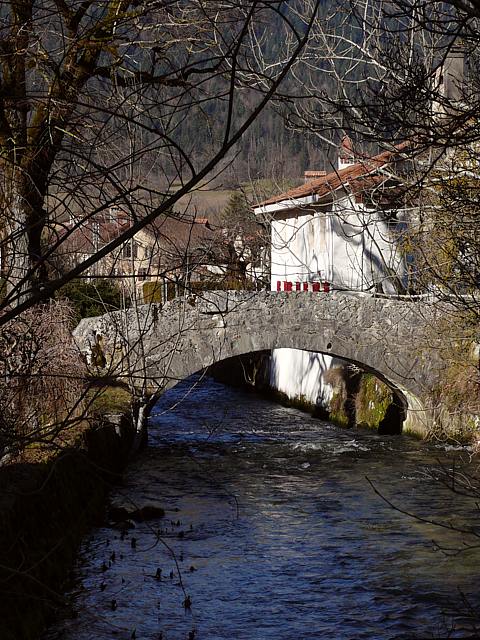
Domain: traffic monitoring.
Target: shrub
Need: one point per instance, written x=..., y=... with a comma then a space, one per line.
x=92, y=297
x=40, y=374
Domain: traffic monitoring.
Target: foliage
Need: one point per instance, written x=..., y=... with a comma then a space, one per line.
x=457, y=394
x=446, y=243
x=358, y=398
x=92, y=297
x=109, y=400
x=243, y=242
x=237, y=212
x=337, y=413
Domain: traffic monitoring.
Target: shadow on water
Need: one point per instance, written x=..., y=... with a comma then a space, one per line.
x=274, y=531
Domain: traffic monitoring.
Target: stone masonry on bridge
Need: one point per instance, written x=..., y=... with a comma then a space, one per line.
x=165, y=345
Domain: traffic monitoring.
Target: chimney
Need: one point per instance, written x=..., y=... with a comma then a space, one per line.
x=449, y=79
x=346, y=156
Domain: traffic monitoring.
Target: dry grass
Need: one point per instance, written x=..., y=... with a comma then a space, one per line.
x=206, y=203
x=98, y=403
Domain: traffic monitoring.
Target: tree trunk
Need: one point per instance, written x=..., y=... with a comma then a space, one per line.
x=23, y=269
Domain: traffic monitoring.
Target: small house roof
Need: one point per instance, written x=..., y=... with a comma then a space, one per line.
x=361, y=176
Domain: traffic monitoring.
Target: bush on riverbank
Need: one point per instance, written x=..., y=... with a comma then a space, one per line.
x=41, y=378
x=455, y=402
x=110, y=400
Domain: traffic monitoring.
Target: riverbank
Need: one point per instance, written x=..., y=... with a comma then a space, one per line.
x=49, y=500
x=360, y=399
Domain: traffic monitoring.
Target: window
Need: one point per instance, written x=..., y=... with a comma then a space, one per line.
x=130, y=249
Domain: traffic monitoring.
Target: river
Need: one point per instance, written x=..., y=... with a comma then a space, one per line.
x=273, y=531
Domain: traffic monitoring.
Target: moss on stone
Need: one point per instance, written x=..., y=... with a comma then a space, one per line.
x=111, y=400
x=338, y=414
x=372, y=401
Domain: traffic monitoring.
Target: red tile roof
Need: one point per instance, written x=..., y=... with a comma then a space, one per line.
x=359, y=177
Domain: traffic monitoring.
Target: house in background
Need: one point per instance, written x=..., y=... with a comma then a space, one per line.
x=171, y=252
x=342, y=230
x=175, y=253
x=82, y=239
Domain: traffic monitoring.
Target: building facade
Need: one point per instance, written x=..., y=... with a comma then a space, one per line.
x=340, y=231
x=171, y=252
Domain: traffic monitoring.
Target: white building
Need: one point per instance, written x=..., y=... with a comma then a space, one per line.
x=342, y=230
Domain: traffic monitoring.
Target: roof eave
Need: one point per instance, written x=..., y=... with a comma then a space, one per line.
x=290, y=203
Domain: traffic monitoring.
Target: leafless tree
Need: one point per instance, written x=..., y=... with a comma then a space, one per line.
x=398, y=72
x=110, y=112
x=102, y=104
x=401, y=76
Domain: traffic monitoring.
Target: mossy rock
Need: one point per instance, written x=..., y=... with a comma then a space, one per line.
x=372, y=401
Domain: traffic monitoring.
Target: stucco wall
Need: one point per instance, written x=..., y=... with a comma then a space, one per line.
x=299, y=247
x=350, y=246
x=344, y=243
x=298, y=374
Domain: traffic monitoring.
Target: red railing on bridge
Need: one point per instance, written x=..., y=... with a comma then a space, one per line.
x=286, y=285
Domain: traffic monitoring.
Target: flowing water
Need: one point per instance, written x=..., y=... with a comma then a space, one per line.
x=273, y=530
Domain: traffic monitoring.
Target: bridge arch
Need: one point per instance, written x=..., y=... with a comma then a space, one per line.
x=189, y=334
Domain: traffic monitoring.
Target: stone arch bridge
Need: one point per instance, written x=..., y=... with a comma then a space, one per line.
x=153, y=347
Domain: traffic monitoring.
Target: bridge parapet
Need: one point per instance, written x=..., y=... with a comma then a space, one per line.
x=390, y=337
